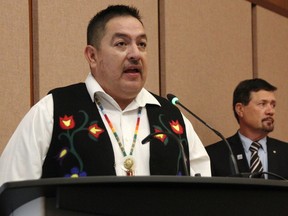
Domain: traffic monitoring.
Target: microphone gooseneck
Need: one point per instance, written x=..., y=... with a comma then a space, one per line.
x=261, y=174
x=234, y=168
x=173, y=136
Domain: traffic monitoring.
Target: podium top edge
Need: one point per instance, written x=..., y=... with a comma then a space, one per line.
x=143, y=180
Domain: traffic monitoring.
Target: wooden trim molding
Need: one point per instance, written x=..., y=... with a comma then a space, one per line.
x=277, y=6
x=31, y=52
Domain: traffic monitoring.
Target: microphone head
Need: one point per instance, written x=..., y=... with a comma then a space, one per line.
x=172, y=98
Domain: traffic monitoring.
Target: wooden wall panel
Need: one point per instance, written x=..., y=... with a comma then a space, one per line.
x=207, y=52
x=62, y=38
x=14, y=66
x=205, y=49
x=272, y=46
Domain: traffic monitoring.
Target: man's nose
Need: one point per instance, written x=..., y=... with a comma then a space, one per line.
x=133, y=52
x=271, y=109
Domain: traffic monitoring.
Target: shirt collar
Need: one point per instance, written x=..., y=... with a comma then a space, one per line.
x=144, y=97
x=246, y=142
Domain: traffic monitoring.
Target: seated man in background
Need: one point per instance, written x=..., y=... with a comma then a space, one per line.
x=96, y=128
x=254, y=108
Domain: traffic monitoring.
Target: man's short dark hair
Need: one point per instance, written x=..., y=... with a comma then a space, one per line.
x=96, y=27
x=242, y=93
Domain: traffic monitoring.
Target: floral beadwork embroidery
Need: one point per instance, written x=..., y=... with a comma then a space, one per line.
x=64, y=151
x=95, y=131
x=161, y=137
x=67, y=123
x=175, y=127
x=75, y=173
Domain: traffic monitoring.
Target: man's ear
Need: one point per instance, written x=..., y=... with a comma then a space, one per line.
x=239, y=108
x=90, y=54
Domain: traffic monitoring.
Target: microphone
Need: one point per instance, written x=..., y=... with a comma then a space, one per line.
x=173, y=136
x=233, y=164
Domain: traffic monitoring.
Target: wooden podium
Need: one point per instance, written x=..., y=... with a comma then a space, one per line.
x=149, y=196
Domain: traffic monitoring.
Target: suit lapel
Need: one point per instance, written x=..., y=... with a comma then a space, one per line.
x=239, y=153
x=272, y=156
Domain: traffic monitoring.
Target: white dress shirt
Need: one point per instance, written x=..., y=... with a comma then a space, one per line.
x=23, y=157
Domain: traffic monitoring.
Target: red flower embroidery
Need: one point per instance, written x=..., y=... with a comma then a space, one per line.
x=67, y=122
x=161, y=137
x=95, y=130
x=176, y=127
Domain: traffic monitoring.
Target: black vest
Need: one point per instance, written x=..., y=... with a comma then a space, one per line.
x=81, y=146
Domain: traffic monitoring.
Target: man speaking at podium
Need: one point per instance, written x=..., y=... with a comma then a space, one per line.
x=96, y=128
x=254, y=108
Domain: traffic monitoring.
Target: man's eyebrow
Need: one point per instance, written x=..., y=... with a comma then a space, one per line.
x=267, y=100
x=122, y=35
x=143, y=36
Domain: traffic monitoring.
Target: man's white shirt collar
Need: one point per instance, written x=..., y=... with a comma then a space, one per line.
x=247, y=142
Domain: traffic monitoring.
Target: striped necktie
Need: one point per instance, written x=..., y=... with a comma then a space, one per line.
x=255, y=162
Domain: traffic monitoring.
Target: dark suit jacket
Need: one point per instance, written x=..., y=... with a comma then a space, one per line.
x=219, y=156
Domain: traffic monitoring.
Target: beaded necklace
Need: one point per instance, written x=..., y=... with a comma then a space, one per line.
x=129, y=163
